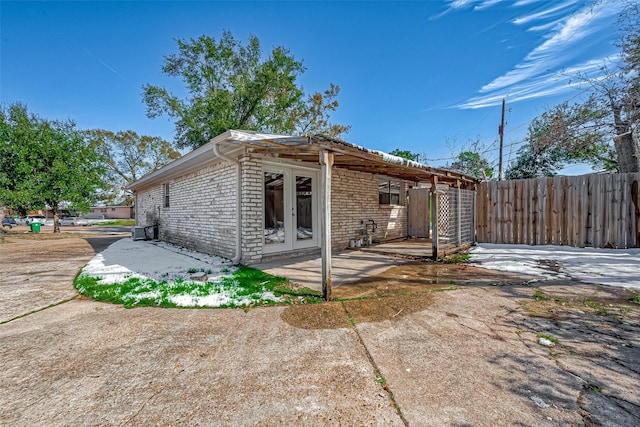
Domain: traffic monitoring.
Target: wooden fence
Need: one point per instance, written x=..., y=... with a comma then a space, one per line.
x=600, y=210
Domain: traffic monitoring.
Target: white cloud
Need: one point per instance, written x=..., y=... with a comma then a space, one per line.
x=525, y=2
x=545, y=27
x=460, y=4
x=487, y=4
x=546, y=84
x=544, y=71
x=544, y=14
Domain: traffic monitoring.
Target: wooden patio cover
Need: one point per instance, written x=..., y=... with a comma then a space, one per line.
x=331, y=153
x=353, y=157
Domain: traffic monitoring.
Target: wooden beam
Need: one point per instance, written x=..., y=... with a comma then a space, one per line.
x=326, y=162
x=357, y=159
x=434, y=216
x=278, y=144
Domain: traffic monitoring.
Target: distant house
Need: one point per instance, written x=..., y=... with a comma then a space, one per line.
x=111, y=212
x=250, y=196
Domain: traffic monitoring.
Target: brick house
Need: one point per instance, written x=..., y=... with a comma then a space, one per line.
x=111, y=212
x=250, y=196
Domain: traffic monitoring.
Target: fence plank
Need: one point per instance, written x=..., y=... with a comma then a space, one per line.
x=527, y=214
x=584, y=213
x=590, y=210
x=598, y=229
x=517, y=207
x=563, y=192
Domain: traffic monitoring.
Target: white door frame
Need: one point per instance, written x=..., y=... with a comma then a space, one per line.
x=290, y=172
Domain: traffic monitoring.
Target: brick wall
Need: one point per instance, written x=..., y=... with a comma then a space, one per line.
x=355, y=199
x=201, y=212
x=252, y=223
x=201, y=215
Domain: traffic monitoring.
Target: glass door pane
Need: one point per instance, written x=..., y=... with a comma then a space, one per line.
x=274, y=224
x=304, y=208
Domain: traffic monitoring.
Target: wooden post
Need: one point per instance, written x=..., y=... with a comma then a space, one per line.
x=501, y=132
x=474, y=218
x=326, y=162
x=434, y=217
x=428, y=217
x=459, y=213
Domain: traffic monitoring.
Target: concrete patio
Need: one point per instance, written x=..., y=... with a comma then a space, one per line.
x=347, y=266
x=467, y=356
x=351, y=265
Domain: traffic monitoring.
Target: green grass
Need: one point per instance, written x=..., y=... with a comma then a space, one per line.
x=380, y=379
x=245, y=287
x=635, y=299
x=118, y=222
x=538, y=295
x=599, y=308
x=458, y=258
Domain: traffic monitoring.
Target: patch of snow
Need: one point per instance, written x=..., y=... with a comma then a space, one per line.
x=214, y=300
x=145, y=295
x=270, y=296
x=158, y=261
x=163, y=262
x=614, y=267
x=218, y=299
x=541, y=403
x=545, y=342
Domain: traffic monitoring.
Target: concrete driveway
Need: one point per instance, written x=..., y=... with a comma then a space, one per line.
x=466, y=356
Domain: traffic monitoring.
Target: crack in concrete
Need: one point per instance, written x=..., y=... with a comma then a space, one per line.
x=38, y=310
x=384, y=385
x=128, y=420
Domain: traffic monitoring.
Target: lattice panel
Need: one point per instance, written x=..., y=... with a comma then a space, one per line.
x=444, y=214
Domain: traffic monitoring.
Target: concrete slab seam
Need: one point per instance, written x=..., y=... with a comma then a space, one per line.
x=376, y=370
x=38, y=310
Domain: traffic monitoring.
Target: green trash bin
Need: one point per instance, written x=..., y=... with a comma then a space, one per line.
x=35, y=227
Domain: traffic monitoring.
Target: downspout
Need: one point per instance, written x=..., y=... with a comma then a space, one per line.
x=236, y=162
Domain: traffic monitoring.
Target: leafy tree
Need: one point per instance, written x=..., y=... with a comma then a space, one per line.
x=230, y=86
x=127, y=157
x=536, y=162
x=45, y=163
x=312, y=117
x=603, y=129
x=472, y=163
x=564, y=135
x=469, y=158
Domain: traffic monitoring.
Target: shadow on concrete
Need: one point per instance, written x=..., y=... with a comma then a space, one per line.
x=99, y=244
x=597, y=336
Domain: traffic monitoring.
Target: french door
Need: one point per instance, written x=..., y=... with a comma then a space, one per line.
x=289, y=209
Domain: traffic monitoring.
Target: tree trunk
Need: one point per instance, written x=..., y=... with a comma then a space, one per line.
x=628, y=151
x=56, y=223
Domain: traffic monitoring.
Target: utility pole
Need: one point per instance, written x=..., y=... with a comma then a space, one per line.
x=501, y=133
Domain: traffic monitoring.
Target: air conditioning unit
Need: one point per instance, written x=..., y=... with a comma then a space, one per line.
x=137, y=233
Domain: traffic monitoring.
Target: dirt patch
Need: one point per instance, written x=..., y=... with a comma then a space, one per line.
x=37, y=270
x=416, y=277
x=390, y=308
x=23, y=232
x=320, y=316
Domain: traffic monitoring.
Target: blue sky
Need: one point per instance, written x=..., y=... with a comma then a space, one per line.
x=421, y=76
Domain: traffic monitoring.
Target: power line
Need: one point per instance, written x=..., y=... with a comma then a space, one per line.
x=501, y=132
x=531, y=73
